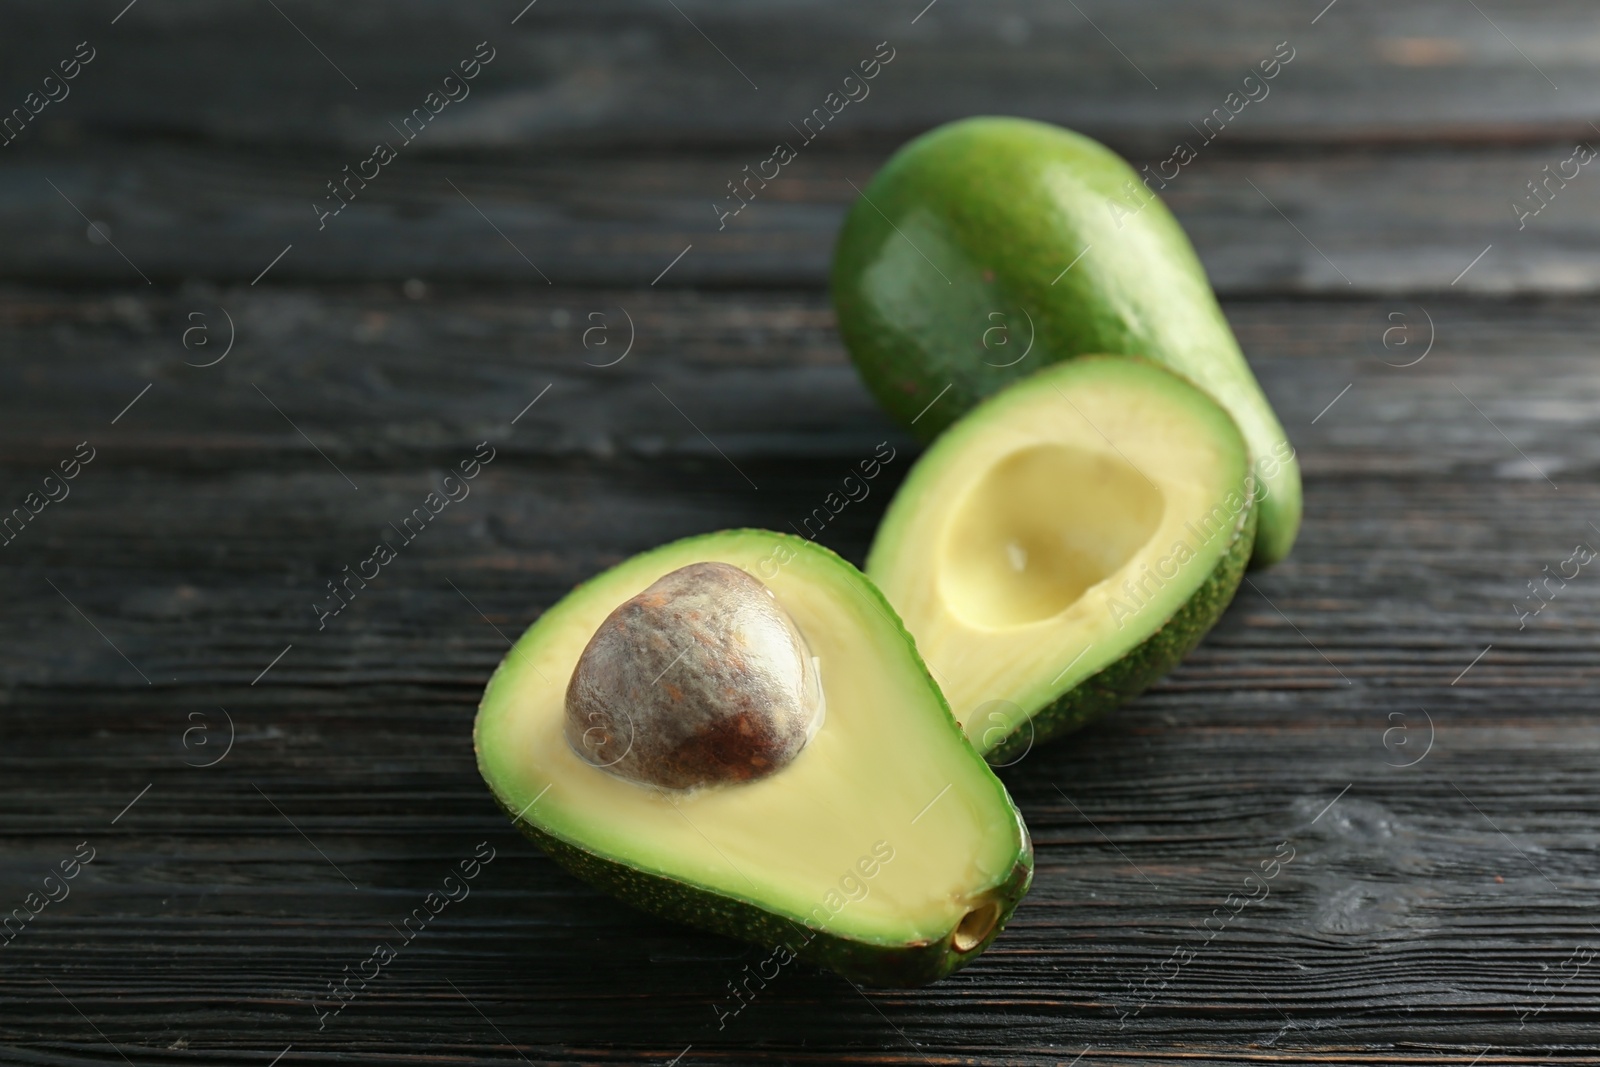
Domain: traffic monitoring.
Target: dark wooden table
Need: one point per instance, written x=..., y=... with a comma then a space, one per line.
x=1375, y=702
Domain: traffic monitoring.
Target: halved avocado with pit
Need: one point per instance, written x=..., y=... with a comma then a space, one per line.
x=1066, y=543
x=885, y=849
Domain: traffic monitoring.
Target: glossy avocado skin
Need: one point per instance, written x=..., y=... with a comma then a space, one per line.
x=950, y=281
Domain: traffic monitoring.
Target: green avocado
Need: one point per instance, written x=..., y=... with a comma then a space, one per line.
x=884, y=849
x=992, y=246
x=1066, y=543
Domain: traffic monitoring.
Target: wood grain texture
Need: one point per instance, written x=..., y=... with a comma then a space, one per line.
x=1415, y=923
x=633, y=73
x=1335, y=221
x=1374, y=704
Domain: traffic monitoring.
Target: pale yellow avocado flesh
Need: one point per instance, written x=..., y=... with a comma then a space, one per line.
x=1007, y=548
x=886, y=766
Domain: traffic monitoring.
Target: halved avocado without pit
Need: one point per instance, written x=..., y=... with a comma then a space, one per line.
x=885, y=849
x=1066, y=543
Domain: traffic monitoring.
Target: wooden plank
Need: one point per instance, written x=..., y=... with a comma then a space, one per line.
x=1419, y=920
x=1320, y=221
x=1375, y=703
x=1391, y=891
x=632, y=72
x=376, y=379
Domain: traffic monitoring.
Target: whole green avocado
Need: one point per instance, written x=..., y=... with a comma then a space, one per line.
x=989, y=247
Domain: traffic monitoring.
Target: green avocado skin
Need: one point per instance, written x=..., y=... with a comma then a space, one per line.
x=886, y=966
x=1136, y=671
x=954, y=263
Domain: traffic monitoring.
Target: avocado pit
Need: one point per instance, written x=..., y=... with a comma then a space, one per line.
x=701, y=679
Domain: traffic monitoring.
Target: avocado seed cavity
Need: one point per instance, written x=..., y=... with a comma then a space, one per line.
x=701, y=679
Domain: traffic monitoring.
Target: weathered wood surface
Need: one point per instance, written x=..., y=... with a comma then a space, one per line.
x=634, y=72
x=1433, y=913
x=1406, y=926
x=1370, y=222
